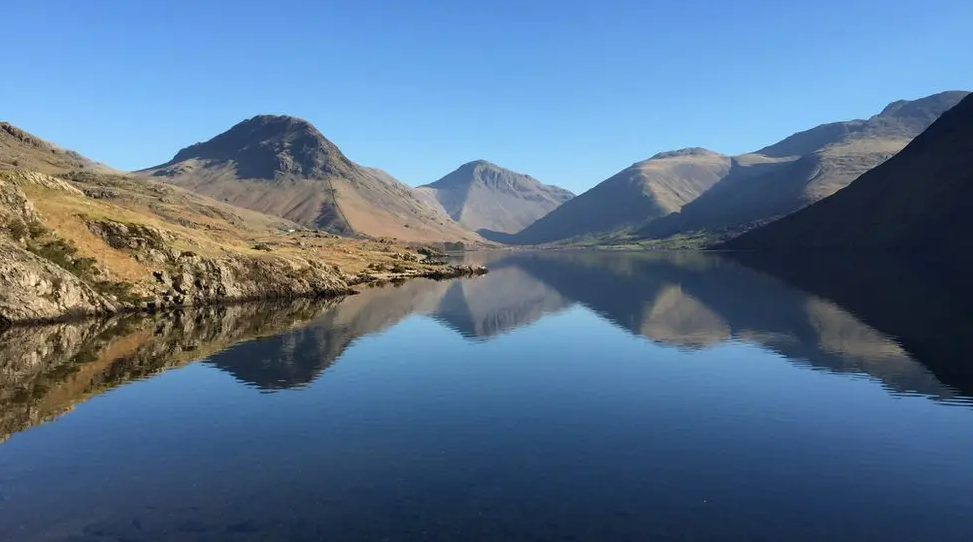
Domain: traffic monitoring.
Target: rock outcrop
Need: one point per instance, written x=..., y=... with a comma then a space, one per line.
x=35, y=289
x=189, y=279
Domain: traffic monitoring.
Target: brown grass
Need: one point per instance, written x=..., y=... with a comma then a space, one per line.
x=197, y=224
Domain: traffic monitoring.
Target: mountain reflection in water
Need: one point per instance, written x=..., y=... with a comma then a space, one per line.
x=685, y=300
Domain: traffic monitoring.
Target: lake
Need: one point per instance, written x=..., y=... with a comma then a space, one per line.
x=561, y=397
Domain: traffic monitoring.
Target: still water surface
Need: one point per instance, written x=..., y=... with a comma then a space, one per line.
x=560, y=397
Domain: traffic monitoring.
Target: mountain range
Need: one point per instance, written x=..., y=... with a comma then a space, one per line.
x=803, y=169
x=693, y=190
x=284, y=167
x=919, y=200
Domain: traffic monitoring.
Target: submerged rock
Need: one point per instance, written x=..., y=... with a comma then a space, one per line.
x=455, y=271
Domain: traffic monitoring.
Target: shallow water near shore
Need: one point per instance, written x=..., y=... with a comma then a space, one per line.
x=562, y=396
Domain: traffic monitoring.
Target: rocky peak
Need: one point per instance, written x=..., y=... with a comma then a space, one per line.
x=479, y=171
x=268, y=146
x=479, y=164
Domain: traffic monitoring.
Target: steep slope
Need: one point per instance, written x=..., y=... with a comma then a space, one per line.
x=485, y=196
x=918, y=200
x=22, y=150
x=285, y=167
x=802, y=169
x=648, y=189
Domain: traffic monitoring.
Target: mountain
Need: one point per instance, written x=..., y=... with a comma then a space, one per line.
x=485, y=196
x=652, y=188
x=284, y=166
x=804, y=168
x=918, y=200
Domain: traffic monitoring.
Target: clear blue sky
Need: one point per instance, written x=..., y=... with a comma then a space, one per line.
x=569, y=91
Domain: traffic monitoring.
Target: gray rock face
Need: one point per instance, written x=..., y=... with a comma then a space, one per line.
x=36, y=289
x=128, y=236
x=484, y=196
x=194, y=280
x=31, y=287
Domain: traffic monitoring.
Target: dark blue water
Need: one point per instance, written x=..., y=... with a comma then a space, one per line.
x=560, y=397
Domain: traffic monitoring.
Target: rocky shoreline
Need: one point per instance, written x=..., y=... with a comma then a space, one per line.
x=180, y=293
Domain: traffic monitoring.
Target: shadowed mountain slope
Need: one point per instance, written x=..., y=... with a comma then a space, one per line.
x=918, y=200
